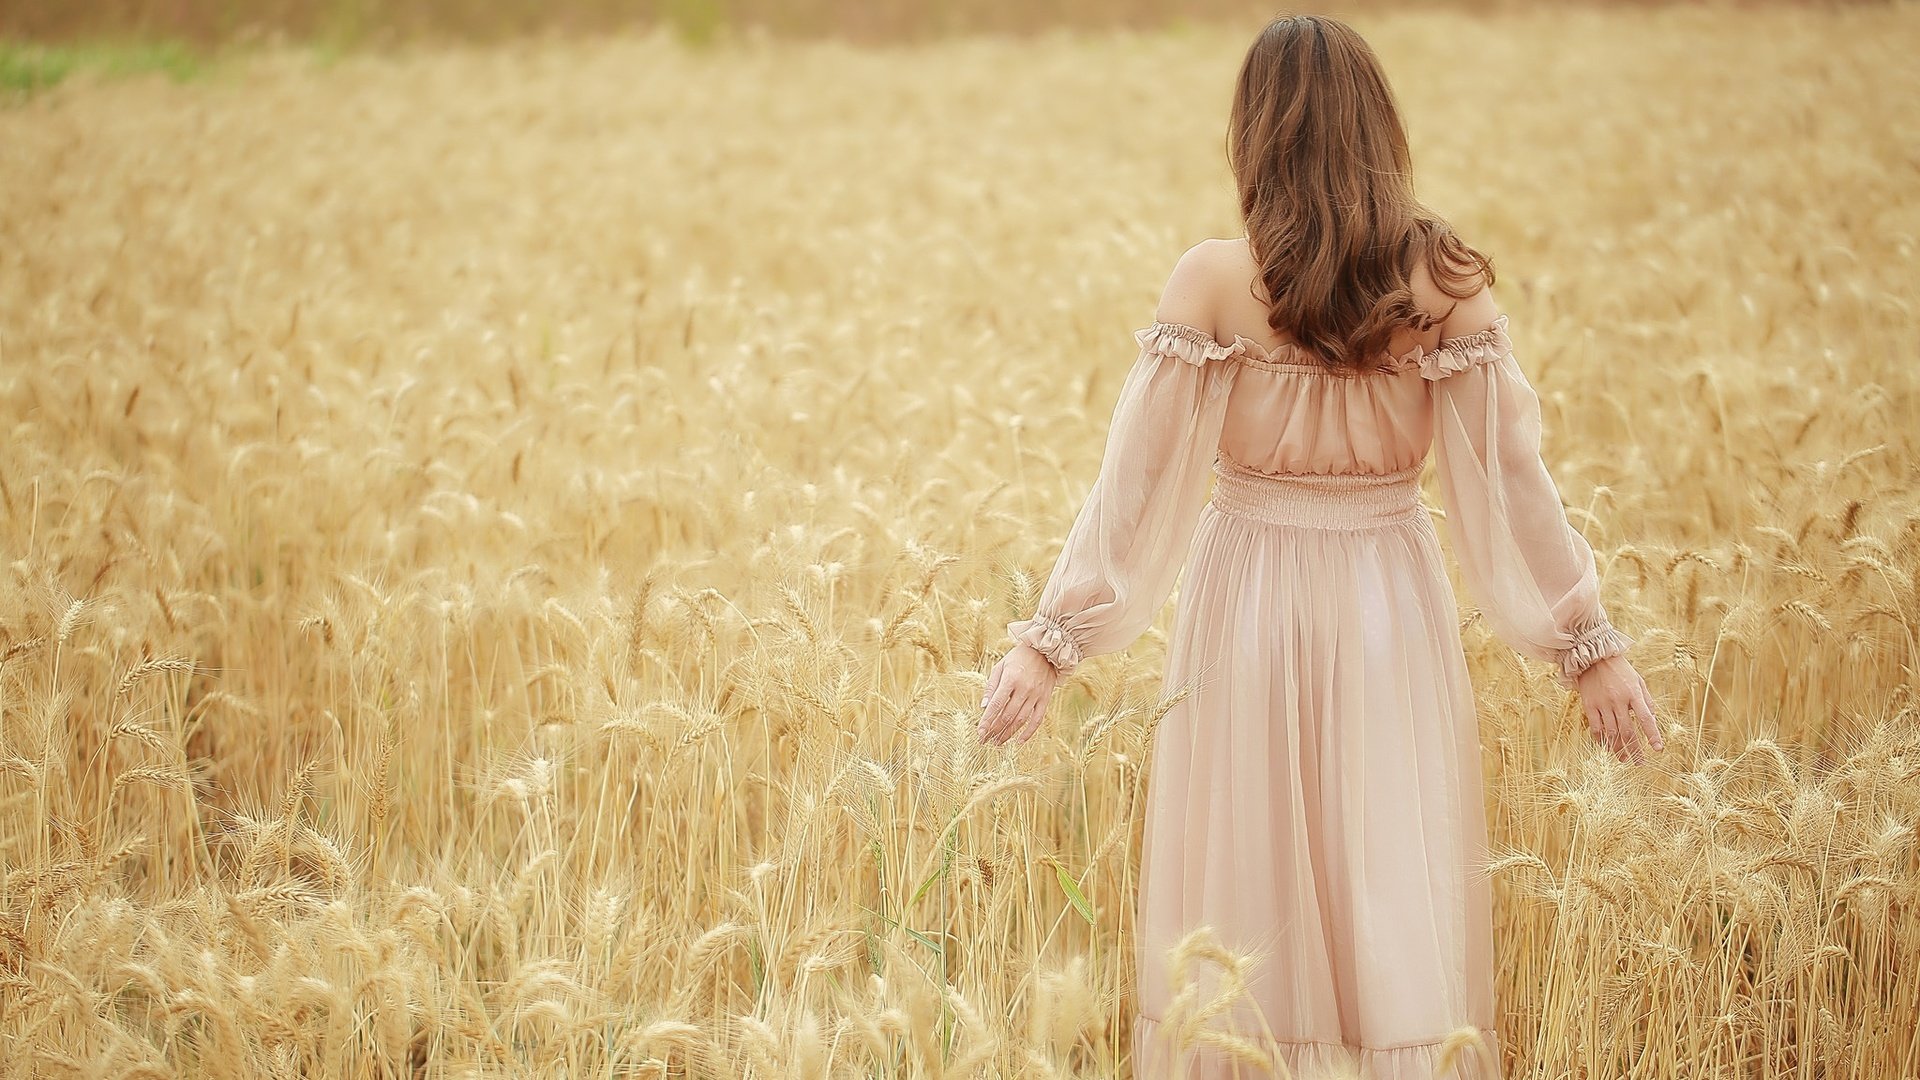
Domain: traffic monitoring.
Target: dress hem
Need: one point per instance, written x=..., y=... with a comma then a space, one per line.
x=1312, y=1059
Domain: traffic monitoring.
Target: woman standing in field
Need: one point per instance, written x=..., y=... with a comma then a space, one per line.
x=1317, y=798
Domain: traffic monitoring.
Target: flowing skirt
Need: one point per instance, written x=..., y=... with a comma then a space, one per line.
x=1317, y=801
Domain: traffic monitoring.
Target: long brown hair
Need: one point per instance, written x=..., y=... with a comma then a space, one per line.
x=1320, y=158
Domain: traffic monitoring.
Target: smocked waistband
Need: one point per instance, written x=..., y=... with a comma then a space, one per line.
x=1319, y=500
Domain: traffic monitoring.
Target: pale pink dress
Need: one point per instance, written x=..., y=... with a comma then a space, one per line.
x=1318, y=799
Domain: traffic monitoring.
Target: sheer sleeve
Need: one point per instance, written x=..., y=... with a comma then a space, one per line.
x=1129, y=541
x=1530, y=570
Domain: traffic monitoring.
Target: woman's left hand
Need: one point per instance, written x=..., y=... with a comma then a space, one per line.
x=1018, y=690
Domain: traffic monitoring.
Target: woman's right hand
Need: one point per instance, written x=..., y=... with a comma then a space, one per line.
x=1018, y=690
x=1619, y=708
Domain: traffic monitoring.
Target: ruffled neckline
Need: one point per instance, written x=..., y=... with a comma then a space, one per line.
x=1197, y=346
x=1462, y=351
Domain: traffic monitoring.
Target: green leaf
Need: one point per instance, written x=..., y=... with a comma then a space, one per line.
x=1074, y=896
x=924, y=940
x=925, y=885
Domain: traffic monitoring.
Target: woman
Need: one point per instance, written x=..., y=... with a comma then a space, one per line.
x=1317, y=799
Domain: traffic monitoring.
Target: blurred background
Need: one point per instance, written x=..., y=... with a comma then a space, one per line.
x=871, y=21
x=508, y=508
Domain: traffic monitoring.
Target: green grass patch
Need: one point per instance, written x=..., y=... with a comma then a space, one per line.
x=697, y=22
x=26, y=68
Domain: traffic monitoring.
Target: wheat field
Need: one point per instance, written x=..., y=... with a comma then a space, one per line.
x=503, y=544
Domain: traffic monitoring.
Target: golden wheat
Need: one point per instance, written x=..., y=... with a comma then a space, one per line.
x=503, y=545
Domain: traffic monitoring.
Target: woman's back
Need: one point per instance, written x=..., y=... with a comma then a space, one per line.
x=1289, y=413
x=1243, y=309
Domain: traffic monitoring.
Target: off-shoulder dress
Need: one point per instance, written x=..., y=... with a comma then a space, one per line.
x=1317, y=799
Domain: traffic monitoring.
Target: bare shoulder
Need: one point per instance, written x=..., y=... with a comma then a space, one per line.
x=1458, y=314
x=1193, y=291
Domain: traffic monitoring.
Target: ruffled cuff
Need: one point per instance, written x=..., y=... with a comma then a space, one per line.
x=1189, y=343
x=1460, y=353
x=1593, y=645
x=1051, y=637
